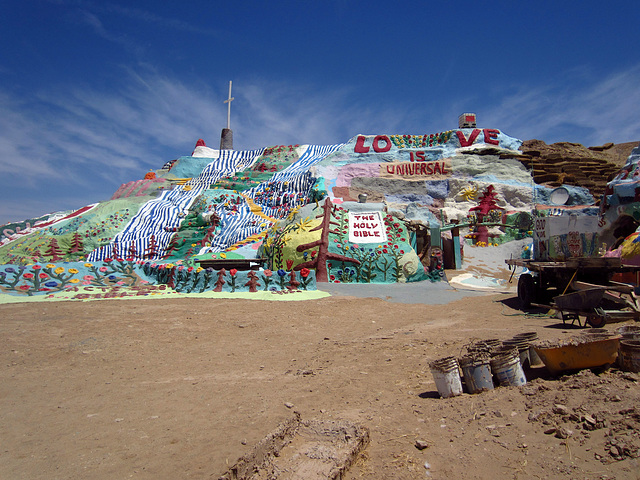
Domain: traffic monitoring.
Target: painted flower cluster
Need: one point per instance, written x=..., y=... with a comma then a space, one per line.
x=38, y=279
x=197, y=280
x=52, y=278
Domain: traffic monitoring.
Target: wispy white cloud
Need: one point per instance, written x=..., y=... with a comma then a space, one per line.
x=281, y=113
x=91, y=20
x=155, y=19
x=595, y=111
x=89, y=141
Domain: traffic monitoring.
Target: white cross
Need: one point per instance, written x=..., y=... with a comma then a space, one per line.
x=228, y=102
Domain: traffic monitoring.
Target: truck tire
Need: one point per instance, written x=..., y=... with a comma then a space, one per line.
x=526, y=290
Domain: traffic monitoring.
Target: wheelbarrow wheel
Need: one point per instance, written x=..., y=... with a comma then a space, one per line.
x=526, y=290
x=595, y=320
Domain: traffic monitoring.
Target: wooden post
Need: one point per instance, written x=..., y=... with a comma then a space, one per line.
x=457, y=257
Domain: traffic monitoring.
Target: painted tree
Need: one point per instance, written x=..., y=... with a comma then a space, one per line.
x=152, y=250
x=293, y=283
x=220, y=281
x=320, y=261
x=54, y=251
x=253, y=282
x=77, y=246
x=173, y=246
x=132, y=252
x=487, y=203
x=211, y=231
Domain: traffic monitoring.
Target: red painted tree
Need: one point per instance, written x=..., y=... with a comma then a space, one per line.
x=132, y=252
x=220, y=281
x=54, y=251
x=487, y=204
x=293, y=283
x=253, y=282
x=152, y=250
x=77, y=246
x=320, y=261
x=173, y=245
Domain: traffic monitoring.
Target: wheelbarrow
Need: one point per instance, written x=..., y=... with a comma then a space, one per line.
x=589, y=303
x=572, y=305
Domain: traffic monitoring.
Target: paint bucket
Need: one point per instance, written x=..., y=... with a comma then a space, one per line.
x=629, y=355
x=507, y=368
x=492, y=342
x=523, y=350
x=603, y=332
x=534, y=358
x=483, y=346
x=446, y=373
x=629, y=332
x=476, y=371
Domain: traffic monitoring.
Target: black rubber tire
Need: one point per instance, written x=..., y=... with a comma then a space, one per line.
x=526, y=290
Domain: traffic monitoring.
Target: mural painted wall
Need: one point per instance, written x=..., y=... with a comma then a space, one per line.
x=272, y=203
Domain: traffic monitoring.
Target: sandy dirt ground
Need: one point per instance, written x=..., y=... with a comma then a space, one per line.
x=167, y=389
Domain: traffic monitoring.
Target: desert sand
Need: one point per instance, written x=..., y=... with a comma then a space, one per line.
x=182, y=388
x=165, y=388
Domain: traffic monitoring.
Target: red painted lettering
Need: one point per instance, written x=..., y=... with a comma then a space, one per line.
x=376, y=144
x=444, y=170
x=392, y=169
x=436, y=168
x=423, y=169
x=491, y=136
x=360, y=148
x=420, y=156
x=411, y=156
x=430, y=168
x=464, y=142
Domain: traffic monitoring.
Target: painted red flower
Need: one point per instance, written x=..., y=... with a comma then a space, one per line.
x=43, y=275
x=268, y=273
x=28, y=275
x=289, y=264
x=304, y=272
x=233, y=272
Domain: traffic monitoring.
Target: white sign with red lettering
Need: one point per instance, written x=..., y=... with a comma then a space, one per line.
x=366, y=228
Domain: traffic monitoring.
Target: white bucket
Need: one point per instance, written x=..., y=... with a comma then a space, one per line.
x=446, y=374
x=508, y=370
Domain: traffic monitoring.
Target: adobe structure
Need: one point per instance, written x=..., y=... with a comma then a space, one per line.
x=375, y=209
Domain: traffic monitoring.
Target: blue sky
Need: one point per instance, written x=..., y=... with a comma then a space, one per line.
x=96, y=93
